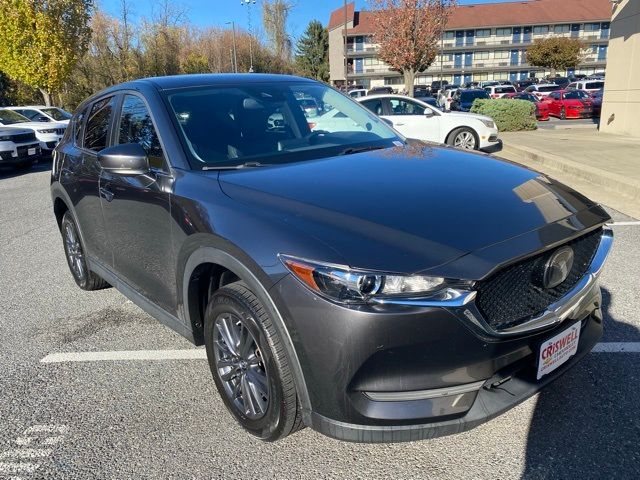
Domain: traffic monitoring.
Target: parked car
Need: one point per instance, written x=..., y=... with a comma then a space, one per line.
x=569, y=104
x=596, y=101
x=380, y=90
x=542, y=108
x=471, y=85
x=372, y=288
x=561, y=81
x=416, y=119
x=358, y=92
x=42, y=113
x=542, y=89
x=522, y=84
x=586, y=85
x=437, y=85
x=426, y=98
x=47, y=133
x=499, y=91
x=448, y=96
x=488, y=83
x=462, y=100
x=19, y=147
x=310, y=107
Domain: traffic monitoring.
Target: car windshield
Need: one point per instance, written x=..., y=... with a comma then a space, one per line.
x=57, y=113
x=575, y=95
x=527, y=96
x=9, y=117
x=471, y=96
x=505, y=89
x=549, y=88
x=268, y=123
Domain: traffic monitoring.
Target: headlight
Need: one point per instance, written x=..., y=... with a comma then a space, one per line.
x=489, y=123
x=345, y=285
x=48, y=130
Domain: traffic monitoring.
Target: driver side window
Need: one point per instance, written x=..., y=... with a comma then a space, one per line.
x=405, y=107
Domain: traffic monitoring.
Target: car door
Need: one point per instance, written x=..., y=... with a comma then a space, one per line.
x=553, y=100
x=409, y=118
x=137, y=211
x=81, y=177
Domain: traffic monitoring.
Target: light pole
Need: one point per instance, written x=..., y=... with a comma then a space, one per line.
x=441, y=45
x=235, y=55
x=346, y=62
x=248, y=4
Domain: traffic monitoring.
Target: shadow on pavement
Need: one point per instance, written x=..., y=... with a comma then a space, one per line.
x=585, y=424
x=10, y=172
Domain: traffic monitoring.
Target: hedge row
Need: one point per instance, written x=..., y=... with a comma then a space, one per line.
x=509, y=115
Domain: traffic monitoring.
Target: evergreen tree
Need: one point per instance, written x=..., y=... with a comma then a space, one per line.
x=312, y=52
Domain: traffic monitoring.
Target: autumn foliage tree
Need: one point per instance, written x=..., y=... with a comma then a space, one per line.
x=409, y=33
x=41, y=41
x=555, y=53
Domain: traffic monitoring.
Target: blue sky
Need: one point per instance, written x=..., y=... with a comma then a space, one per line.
x=217, y=12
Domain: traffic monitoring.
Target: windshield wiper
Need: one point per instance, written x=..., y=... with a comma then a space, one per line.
x=352, y=150
x=234, y=167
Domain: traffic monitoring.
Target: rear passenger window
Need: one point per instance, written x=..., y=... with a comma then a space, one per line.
x=97, y=129
x=77, y=126
x=136, y=126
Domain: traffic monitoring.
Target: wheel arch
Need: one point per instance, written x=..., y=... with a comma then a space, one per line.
x=473, y=130
x=216, y=262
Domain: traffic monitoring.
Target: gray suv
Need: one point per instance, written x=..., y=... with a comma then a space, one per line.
x=341, y=277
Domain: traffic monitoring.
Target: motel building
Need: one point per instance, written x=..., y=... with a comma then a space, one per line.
x=481, y=42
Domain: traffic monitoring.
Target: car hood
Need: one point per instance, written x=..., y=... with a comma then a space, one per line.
x=405, y=209
x=11, y=130
x=38, y=125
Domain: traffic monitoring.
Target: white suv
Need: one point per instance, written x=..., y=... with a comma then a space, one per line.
x=40, y=113
x=47, y=133
x=499, y=91
x=542, y=89
x=416, y=119
x=586, y=85
x=19, y=147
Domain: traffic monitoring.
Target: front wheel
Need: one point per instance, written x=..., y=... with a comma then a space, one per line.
x=249, y=365
x=463, y=138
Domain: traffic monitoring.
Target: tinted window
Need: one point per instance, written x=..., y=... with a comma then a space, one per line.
x=576, y=95
x=77, y=126
x=136, y=126
x=9, y=117
x=374, y=105
x=57, y=113
x=505, y=89
x=593, y=85
x=404, y=107
x=549, y=88
x=30, y=114
x=471, y=96
x=97, y=128
x=554, y=95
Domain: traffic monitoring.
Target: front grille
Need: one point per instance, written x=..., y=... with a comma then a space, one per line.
x=23, y=137
x=60, y=131
x=24, y=151
x=511, y=297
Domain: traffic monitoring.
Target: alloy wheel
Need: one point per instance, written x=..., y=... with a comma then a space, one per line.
x=75, y=255
x=465, y=140
x=240, y=366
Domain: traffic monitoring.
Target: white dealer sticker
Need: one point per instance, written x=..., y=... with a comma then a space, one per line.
x=557, y=350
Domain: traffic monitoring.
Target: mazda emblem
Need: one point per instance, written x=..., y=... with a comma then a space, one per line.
x=557, y=268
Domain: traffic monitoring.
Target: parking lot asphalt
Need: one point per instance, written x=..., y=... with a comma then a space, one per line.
x=163, y=419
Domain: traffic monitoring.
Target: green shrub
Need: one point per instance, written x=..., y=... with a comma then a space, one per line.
x=509, y=115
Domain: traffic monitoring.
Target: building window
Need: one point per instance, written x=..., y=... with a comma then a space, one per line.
x=485, y=32
x=481, y=55
x=502, y=54
x=449, y=35
x=561, y=28
x=480, y=77
x=500, y=76
x=591, y=27
x=503, y=32
x=425, y=79
x=394, y=80
x=541, y=30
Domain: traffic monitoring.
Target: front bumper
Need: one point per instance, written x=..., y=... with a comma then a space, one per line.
x=20, y=155
x=414, y=370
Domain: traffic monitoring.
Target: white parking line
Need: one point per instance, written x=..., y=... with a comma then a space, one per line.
x=201, y=354
x=617, y=347
x=625, y=224
x=188, y=354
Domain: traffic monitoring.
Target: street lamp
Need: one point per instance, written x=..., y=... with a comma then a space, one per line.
x=235, y=55
x=248, y=4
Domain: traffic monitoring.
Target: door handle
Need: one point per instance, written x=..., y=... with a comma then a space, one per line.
x=106, y=194
x=399, y=124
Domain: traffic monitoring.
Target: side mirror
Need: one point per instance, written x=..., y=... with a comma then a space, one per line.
x=387, y=121
x=428, y=113
x=125, y=159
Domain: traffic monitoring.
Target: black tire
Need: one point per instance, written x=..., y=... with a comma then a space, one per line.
x=470, y=142
x=280, y=415
x=76, y=259
x=563, y=114
x=25, y=166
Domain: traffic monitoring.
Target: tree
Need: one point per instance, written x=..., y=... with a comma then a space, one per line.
x=312, y=52
x=42, y=41
x=274, y=18
x=409, y=33
x=555, y=53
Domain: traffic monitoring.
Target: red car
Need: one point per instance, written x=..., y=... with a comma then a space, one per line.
x=570, y=104
x=542, y=108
